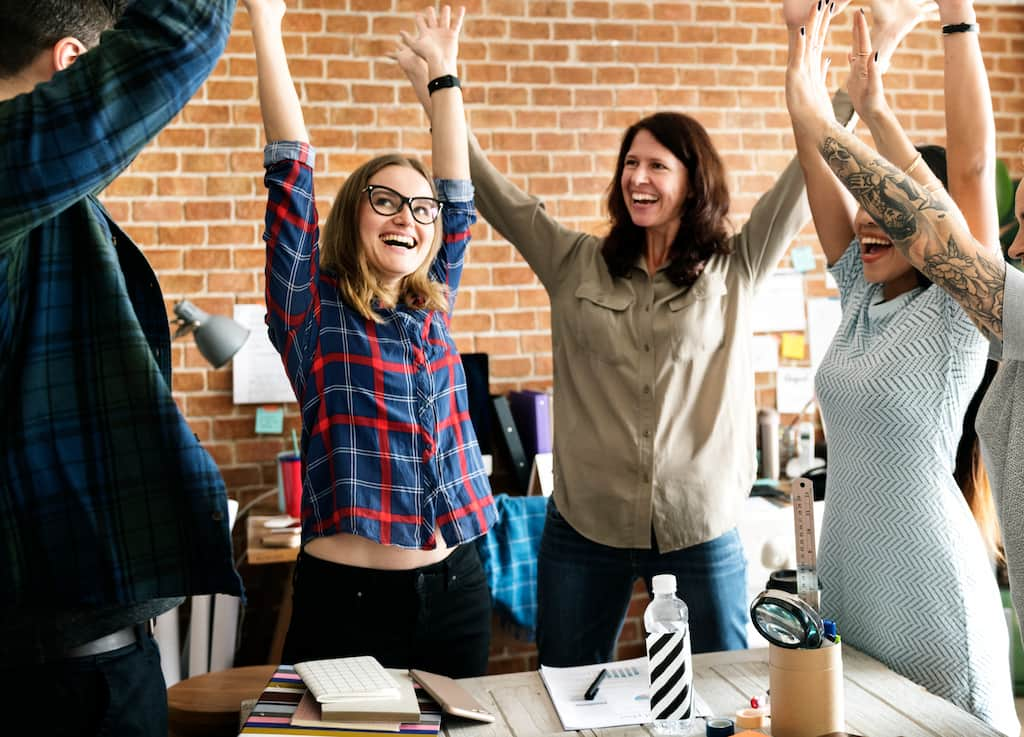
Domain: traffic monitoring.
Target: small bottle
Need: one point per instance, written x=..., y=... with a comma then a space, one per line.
x=768, y=436
x=669, y=660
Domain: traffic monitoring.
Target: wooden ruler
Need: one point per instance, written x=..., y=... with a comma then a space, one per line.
x=802, y=494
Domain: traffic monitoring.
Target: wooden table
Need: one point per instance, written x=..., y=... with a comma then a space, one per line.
x=259, y=554
x=879, y=703
x=208, y=705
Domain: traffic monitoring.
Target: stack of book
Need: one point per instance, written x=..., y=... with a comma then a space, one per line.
x=342, y=695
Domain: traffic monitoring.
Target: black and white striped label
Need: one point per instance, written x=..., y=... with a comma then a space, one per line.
x=671, y=669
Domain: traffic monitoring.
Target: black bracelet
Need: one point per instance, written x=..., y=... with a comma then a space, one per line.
x=443, y=82
x=959, y=28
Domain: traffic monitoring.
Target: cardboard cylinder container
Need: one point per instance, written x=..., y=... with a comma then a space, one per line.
x=806, y=690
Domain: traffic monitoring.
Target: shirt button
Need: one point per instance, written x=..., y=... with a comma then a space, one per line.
x=647, y=433
x=647, y=308
x=217, y=516
x=647, y=347
x=647, y=389
x=646, y=478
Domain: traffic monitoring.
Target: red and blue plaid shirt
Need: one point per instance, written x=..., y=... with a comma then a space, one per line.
x=389, y=451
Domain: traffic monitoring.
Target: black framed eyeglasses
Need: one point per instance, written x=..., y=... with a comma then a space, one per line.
x=386, y=201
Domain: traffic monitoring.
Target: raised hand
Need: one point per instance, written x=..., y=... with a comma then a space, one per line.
x=797, y=12
x=806, y=92
x=437, y=39
x=865, y=83
x=892, y=20
x=415, y=70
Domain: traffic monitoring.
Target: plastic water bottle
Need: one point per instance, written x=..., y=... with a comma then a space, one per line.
x=669, y=660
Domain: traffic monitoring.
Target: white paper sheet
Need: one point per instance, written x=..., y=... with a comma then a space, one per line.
x=258, y=375
x=794, y=388
x=779, y=303
x=764, y=353
x=823, y=317
x=622, y=700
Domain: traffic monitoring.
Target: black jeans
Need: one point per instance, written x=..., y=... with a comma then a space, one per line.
x=436, y=618
x=120, y=694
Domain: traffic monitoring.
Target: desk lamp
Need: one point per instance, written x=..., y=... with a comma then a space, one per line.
x=218, y=338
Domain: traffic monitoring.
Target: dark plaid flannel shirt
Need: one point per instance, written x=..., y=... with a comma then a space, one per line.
x=106, y=497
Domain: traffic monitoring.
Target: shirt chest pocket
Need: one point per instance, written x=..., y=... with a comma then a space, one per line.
x=603, y=323
x=696, y=319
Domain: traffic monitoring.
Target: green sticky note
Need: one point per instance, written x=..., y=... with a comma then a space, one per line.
x=269, y=421
x=803, y=258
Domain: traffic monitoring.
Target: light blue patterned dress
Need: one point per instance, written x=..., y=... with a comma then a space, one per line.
x=903, y=567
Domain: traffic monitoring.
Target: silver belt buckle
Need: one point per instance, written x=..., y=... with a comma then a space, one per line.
x=114, y=641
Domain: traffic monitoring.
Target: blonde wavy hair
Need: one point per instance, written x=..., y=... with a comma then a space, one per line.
x=342, y=253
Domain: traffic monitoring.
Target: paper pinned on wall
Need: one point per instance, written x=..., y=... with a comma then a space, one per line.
x=269, y=420
x=802, y=258
x=793, y=346
x=258, y=375
x=830, y=281
x=823, y=317
x=764, y=353
x=779, y=303
x=794, y=388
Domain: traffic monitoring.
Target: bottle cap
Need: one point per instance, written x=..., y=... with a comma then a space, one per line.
x=664, y=583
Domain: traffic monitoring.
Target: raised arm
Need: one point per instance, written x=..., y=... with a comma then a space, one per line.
x=73, y=135
x=970, y=124
x=436, y=44
x=518, y=216
x=920, y=218
x=832, y=207
x=279, y=102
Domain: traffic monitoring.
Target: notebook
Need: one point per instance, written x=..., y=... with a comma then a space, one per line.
x=276, y=705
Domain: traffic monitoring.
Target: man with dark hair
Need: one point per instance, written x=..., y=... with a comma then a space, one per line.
x=110, y=511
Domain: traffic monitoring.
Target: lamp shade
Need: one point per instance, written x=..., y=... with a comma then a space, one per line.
x=217, y=337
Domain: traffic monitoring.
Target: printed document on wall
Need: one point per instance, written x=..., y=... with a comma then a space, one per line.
x=823, y=317
x=258, y=374
x=779, y=303
x=794, y=388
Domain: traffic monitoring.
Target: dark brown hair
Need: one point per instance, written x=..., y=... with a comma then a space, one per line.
x=703, y=230
x=970, y=472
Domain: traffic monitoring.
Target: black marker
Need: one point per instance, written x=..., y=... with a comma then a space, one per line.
x=594, y=687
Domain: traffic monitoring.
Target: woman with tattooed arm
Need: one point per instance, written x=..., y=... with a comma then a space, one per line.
x=903, y=567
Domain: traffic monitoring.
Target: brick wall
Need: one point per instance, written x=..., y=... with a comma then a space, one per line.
x=549, y=87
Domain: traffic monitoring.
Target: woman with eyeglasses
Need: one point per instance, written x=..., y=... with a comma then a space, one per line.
x=394, y=486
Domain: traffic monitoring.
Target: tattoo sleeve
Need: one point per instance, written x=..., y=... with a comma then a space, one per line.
x=925, y=226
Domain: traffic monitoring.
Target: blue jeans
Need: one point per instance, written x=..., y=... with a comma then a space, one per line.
x=584, y=588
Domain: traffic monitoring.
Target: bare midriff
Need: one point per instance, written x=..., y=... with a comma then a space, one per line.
x=352, y=550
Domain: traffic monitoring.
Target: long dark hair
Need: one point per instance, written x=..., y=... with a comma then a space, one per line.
x=970, y=472
x=703, y=230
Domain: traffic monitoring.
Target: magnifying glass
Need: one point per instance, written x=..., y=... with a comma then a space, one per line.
x=786, y=620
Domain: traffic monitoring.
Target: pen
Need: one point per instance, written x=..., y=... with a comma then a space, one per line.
x=594, y=687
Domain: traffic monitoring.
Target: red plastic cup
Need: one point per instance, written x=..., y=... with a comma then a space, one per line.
x=289, y=484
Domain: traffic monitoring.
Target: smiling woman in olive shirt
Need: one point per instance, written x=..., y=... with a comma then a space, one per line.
x=654, y=418
x=654, y=440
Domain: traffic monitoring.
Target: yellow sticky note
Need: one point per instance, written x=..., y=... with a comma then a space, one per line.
x=793, y=345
